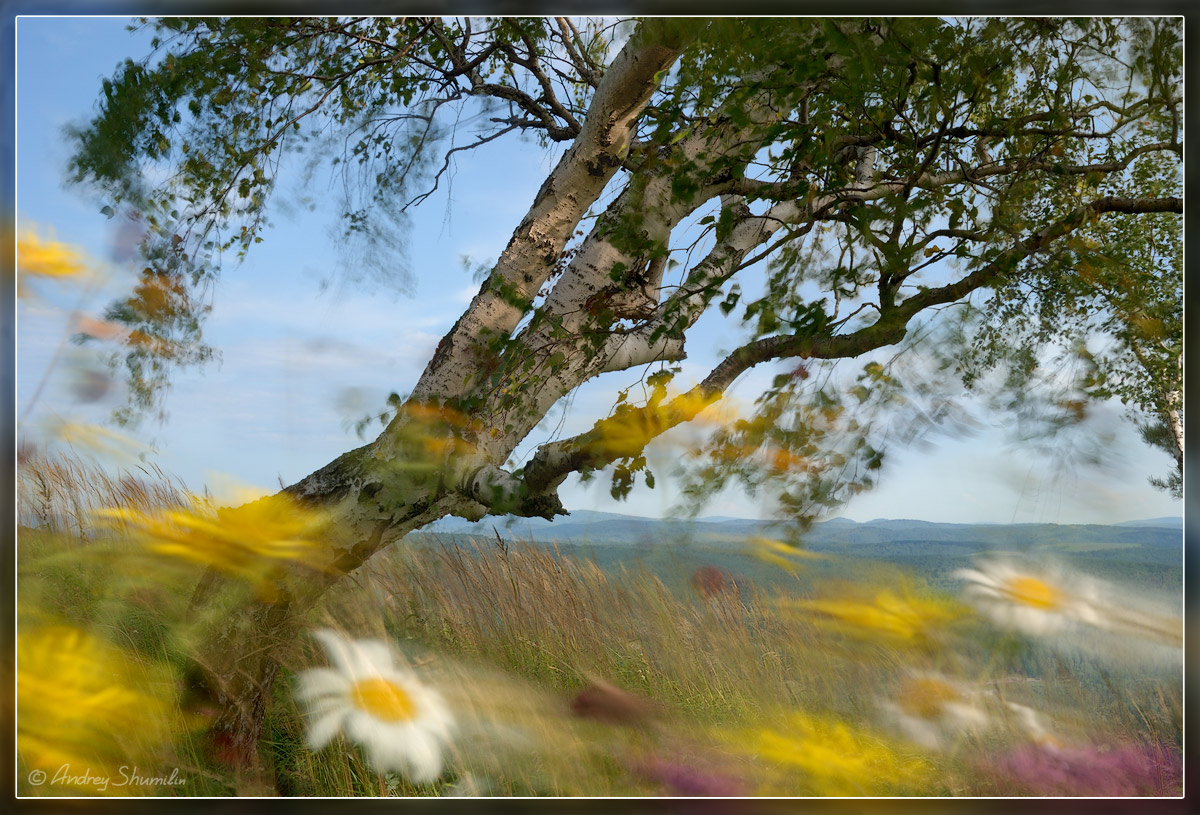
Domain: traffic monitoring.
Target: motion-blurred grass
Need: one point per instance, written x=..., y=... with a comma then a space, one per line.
x=567, y=679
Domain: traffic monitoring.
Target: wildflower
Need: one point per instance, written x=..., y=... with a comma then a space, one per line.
x=711, y=581
x=781, y=554
x=98, y=329
x=1133, y=770
x=630, y=429
x=400, y=723
x=88, y=383
x=608, y=703
x=80, y=704
x=249, y=542
x=430, y=435
x=47, y=258
x=1043, y=604
x=1033, y=725
x=929, y=709
x=98, y=440
x=689, y=780
x=903, y=620
x=832, y=758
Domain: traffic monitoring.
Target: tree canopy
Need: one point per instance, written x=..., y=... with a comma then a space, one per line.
x=1020, y=175
x=880, y=168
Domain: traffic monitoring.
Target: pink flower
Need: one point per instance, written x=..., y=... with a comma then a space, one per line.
x=687, y=780
x=1130, y=770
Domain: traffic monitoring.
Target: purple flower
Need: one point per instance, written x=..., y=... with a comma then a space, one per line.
x=1127, y=770
x=687, y=780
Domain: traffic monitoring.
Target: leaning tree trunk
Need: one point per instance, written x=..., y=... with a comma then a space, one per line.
x=235, y=671
x=374, y=494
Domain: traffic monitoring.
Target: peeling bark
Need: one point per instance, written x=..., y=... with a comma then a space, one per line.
x=573, y=186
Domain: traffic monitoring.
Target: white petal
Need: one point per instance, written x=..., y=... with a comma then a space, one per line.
x=385, y=756
x=965, y=716
x=425, y=760
x=320, y=682
x=338, y=648
x=374, y=657
x=324, y=728
x=971, y=575
x=363, y=728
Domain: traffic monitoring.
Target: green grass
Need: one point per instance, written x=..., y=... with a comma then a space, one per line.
x=511, y=633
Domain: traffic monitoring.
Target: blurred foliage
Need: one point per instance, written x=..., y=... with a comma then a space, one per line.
x=924, y=149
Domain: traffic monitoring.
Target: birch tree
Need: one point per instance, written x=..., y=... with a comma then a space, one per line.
x=880, y=170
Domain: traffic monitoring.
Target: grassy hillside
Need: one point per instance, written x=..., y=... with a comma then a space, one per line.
x=707, y=664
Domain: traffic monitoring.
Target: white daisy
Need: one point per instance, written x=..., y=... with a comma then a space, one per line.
x=1033, y=724
x=1028, y=602
x=1042, y=604
x=932, y=710
x=400, y=723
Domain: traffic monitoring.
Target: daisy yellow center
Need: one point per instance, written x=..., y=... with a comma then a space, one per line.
x=925, y=697
x=383, y=699
x=1034, y=592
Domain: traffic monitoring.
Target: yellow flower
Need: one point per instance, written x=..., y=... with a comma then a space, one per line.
x=47, y=258
x=780, y=553
x=430, y=436
x=98, y=440
x=630, y=429
x=925, y=696
x=897, y=619
x=81, y=706
x=250, y=541
x=821, y=755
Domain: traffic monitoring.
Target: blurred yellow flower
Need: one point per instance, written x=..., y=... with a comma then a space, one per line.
x=833, y=759
x=82, y=706
x=780, y=553
x=630, y=429
x=430, y=436
x=249, y=541
x=47, y=258
x=98, y=440
x=897, y=619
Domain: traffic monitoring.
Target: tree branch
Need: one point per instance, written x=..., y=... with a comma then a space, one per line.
x=538, y=242
x=595, y=448
x=1008, y=260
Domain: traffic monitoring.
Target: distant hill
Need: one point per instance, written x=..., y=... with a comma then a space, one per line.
x=592, y=527
x=1145, y=554
x=1171, y=521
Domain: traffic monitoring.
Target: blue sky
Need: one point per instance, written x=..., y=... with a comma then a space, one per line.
x=299, y=360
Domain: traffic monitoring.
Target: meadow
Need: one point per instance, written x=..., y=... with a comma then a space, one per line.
x=552, y=674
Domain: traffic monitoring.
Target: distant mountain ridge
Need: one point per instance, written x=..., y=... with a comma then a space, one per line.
x=589, y=526
x=1175, y=522
x=1142, y=555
